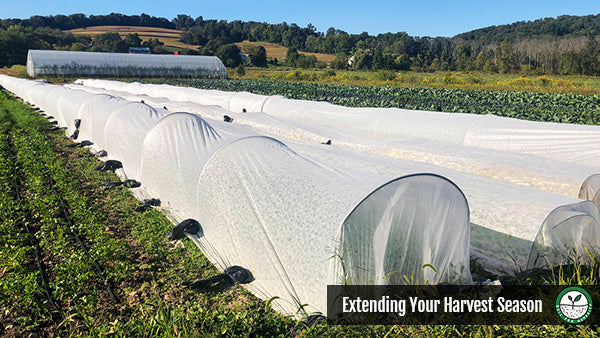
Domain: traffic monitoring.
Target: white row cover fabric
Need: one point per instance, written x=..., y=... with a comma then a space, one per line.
x=590, y=189
x=68, y=108
x=124, y=134
x=505, y=218
x=174, y=153
x=247, y=187
x=244, y=189
x=559, y=141
x=569, y=231
x=94, y=113
x=548, y=156
x=287, y=217
x=68, y=63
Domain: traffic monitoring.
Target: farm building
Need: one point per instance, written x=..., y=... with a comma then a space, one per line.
x=67, y=63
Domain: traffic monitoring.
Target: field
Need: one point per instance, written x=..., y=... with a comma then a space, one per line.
x=170, y=37
x=49, y=192
x=586, y=85
x=279, y=51
x=546, y=107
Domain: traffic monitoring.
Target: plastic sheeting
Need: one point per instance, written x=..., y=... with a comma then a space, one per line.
x=68, y=63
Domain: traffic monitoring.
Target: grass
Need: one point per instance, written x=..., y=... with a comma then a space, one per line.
x=16, y=71
x=574, y=84
x=544, y=107
x=586, y=85
x=279, y=52
x=170, y=37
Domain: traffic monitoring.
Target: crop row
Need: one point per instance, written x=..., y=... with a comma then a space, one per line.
x=546, y=107
x=54, y=211
x=19, y=276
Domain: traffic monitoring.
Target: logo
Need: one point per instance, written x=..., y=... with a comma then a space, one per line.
x=574, y=305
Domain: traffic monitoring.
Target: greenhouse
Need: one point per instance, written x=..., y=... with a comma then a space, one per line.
x=68, y=63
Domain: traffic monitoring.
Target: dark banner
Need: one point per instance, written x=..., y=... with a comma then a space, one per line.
x=455, y=304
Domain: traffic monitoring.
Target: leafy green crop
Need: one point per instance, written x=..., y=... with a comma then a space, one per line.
x=546, y=107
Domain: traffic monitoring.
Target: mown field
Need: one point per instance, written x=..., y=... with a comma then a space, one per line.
x=170, y=37
x=49, y=193
x=279, y=52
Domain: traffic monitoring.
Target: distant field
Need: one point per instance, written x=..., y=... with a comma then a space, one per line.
x=170, y=37
x=277, y=51
x=576, y=84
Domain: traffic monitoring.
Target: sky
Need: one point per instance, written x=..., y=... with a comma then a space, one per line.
x=415, y=17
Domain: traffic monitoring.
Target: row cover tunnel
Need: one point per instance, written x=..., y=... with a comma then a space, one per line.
x=301, y=215
x=495, y=160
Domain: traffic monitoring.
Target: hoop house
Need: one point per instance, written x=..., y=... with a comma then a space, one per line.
x=67, y=63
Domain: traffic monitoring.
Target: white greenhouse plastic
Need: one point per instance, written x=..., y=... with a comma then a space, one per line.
x=68, y=63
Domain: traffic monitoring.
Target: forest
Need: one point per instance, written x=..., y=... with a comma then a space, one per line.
x=564, y=45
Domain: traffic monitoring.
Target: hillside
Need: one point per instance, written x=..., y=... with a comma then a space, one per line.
x=278, y=51
x=170, y=37
x=562, y=26
x=566, y=45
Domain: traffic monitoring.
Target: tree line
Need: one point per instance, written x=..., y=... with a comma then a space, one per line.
x=565, y=45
